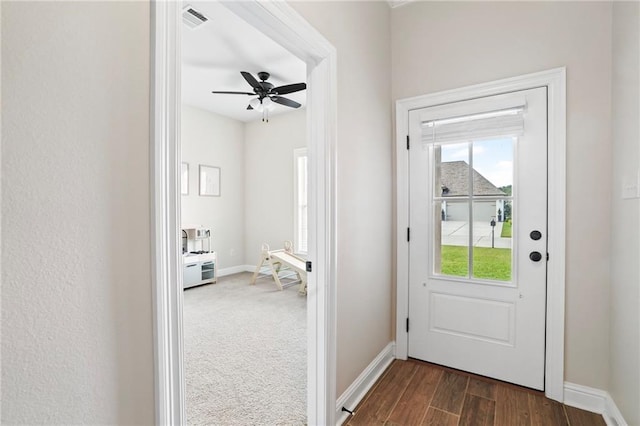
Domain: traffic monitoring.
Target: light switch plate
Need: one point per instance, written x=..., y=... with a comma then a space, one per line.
x=631, y=187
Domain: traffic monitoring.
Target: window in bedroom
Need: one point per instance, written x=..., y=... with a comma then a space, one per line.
x=300, y=229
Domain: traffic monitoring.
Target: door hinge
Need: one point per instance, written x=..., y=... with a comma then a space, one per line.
x=308, y=266
x=407, y=325
x=408, y=234
x=407, y=141
x=547, y=257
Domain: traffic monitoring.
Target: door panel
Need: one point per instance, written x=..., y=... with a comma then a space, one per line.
x=492, y=322
x=476, y=299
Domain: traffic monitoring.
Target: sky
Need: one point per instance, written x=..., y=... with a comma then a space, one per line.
x=492, y=158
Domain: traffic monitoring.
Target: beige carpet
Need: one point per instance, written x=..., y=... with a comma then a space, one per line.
x=245, y=353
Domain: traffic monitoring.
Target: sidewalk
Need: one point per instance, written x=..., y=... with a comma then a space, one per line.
x=457, y=234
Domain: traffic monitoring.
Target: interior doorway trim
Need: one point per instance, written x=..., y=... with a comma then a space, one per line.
x=555, y=81
x=280, y=22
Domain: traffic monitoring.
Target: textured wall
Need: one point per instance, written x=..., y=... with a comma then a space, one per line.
x=360, y=33
x=625, y=217
x=444, y=45
x=76, y=285
x=76, y=293
x=1, y=270
x=268, y=195
x=213, y=140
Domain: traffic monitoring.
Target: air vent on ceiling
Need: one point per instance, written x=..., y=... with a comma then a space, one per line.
x=192, y=18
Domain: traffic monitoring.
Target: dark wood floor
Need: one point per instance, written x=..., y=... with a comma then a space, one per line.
x=418, y=393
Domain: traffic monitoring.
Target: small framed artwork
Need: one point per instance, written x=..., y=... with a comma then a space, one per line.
x=184, y=179
x=209, y=181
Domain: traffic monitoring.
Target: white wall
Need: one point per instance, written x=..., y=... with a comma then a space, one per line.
x=213, y=140
x=256, y=202
x=625, y=218
x=76, y=280
x=268, y=166
x=360, y=33
x=444, y=45
x=76, y=297
x=1, y=273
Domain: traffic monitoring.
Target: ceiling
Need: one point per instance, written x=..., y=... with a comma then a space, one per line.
x=213, y=55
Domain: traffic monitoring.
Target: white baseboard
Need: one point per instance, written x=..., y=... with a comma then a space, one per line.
x=595, y=401
x=612, y=415
x=359, y=388
x=239, y=268
x=235, y=270
x=584, y=397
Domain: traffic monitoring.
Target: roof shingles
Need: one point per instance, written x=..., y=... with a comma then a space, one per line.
x=454, y=179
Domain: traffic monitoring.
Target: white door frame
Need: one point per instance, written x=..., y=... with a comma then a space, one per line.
x=280, y=22
x=555, y=81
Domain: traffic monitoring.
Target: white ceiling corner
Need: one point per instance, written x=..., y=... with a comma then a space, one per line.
x=213, y=55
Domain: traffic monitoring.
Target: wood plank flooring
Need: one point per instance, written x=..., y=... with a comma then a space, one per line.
x=418, y=393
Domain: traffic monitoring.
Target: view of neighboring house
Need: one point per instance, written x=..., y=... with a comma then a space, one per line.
x=454, y=179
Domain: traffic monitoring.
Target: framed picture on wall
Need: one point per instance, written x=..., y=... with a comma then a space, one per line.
x=184, y=179
x=209, y=181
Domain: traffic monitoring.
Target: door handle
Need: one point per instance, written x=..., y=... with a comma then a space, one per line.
x=535, y=256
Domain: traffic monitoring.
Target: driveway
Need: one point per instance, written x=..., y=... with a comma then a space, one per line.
x=457, y=234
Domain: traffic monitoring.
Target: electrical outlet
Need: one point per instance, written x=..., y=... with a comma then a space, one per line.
x=232, y=252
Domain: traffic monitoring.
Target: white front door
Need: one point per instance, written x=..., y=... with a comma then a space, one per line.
x=478, y=235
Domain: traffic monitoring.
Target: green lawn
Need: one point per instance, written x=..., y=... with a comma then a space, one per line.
x=506, y=229
x=488, y=263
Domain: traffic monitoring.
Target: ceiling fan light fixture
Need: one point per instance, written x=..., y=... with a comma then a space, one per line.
x=255, y=104
x=267, y=94
x=268, y=103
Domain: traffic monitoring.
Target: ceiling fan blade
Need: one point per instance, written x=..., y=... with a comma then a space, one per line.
x=289, y=88
x=249, y=107
x=251, y=80
x=233, y=93
x=286, y=102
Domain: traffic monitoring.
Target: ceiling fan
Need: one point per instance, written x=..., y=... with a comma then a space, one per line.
x=267, y=94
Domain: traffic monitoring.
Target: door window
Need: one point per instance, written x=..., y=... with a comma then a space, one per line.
x=473, y=209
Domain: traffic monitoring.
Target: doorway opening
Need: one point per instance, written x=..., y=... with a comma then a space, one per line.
x=243, y=118
x=283, y=25
x=457, y=263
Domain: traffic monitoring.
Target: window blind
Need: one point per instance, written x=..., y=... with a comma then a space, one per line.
x=504, y=122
